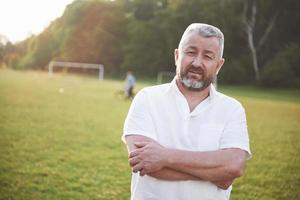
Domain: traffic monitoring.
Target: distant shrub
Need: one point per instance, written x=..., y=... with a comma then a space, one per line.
x=236, y=72
x=284, y=69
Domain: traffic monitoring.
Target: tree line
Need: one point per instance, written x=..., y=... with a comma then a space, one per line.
x=262, y=42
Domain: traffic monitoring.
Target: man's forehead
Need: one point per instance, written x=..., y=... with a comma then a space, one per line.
x=195, y=41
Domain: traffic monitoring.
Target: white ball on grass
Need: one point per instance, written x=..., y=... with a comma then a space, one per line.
x=61, y=90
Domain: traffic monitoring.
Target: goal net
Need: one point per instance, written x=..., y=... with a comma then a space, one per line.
x=165, y=77
x=59, y=64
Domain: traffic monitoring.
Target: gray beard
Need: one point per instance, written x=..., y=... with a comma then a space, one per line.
x=192, y=85
x=195, y=85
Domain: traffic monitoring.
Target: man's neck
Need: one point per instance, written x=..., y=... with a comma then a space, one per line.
x=193, y=97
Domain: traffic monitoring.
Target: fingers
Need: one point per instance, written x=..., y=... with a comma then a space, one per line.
x=140, y=144
x=137, y=168
x=133, y=161
x=136, y=164
x=138, y=158
x=143, y=172
x=134, y=153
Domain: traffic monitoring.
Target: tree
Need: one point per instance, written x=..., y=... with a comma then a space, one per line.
x=3, y=42
x=250, y=16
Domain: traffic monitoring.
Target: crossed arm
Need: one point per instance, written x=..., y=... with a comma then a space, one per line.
x=220, y=167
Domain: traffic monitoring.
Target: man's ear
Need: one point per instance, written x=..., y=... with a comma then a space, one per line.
x=221, y=62
x=176, y=55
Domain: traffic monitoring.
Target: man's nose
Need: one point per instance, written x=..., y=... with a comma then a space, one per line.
x=197, y=62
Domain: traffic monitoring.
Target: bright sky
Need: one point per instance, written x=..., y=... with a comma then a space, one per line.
x=21, y=18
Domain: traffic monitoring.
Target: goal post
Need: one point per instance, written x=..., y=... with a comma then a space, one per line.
x=53, y=64
x=215, y=82
x=165, y=76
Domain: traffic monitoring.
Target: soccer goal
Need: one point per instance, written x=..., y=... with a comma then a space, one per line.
x=53, y=64
x=165, y=76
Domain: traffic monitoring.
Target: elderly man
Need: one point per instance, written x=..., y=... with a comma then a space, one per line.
x=187, y=141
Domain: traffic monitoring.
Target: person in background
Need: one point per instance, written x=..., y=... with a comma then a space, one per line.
x=129, y=84
x=187, y=141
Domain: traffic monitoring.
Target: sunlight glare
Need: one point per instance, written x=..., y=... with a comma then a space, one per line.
x=21, y=18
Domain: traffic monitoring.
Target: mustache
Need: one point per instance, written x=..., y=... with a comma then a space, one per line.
x=192, y=68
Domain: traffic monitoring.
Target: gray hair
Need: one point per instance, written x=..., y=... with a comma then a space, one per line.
x=204, y=30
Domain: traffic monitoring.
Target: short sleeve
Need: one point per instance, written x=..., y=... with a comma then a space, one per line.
x=138, y=120
x=235, y=134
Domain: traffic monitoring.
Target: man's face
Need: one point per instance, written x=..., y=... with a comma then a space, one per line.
x=198, y=61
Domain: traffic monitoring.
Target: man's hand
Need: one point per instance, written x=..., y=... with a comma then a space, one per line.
x=223, y=184
x=149, y=157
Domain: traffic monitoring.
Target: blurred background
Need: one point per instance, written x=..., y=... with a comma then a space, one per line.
x=261, y=38
x=60, y=137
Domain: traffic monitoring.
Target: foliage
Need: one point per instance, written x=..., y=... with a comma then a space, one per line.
x=89, y=31
x=284, y=69
x=141, y=35
x=235, y=72
x=1, y=53
x=97, y=36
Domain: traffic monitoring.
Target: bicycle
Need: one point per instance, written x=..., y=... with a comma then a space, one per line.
x=120, y=94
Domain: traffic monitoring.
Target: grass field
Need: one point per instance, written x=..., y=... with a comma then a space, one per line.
x=56, y=145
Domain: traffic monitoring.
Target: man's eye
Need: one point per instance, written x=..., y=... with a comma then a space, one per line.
x=190, y=52
x=208, y=57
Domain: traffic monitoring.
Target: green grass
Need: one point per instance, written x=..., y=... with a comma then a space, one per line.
x=67, y=145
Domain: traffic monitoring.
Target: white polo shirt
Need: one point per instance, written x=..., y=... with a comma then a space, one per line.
x=162, y=113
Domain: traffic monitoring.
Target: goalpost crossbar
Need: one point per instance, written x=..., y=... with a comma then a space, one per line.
x=53, y=64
